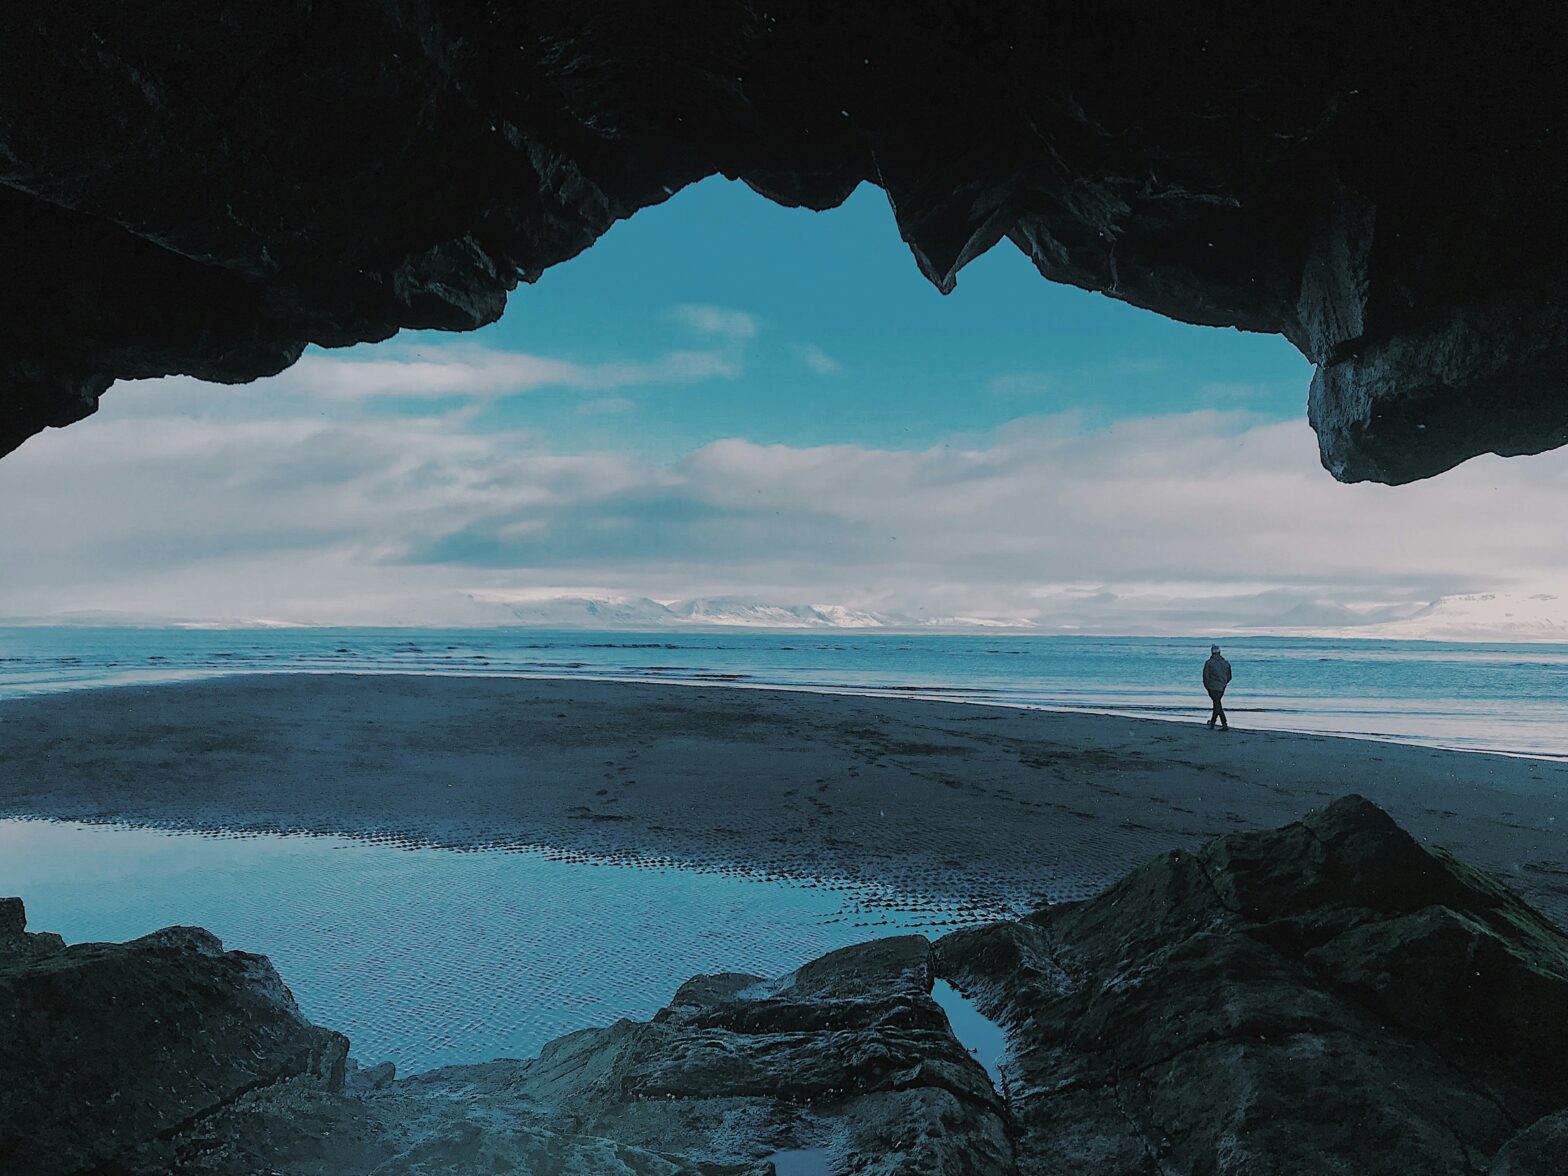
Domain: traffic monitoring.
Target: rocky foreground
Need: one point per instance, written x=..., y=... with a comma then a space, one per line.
x=1330, y=997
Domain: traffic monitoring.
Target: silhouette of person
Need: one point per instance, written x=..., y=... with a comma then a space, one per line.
x=1216, y=676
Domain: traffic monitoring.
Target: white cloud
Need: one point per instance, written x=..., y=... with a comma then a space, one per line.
x=817, y=360
x=484, y=372
x=461, y=377
x=734, y=325
x=457, y=371
x=1190, y=521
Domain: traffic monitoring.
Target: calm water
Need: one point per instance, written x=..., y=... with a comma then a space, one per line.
x=1510, y=698
x=430, y=957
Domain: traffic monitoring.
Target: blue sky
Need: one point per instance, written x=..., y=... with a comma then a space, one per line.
x=851, y=344
x=725, y=397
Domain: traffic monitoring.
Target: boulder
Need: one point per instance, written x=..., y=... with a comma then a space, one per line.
x=109, y=1050
x=1324, y=998
x=849, y=1054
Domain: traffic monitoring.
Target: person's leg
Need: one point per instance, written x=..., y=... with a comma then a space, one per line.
x=1219, y=709
x=1216, y=713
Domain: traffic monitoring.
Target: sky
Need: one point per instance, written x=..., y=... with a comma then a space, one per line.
x=725, y=397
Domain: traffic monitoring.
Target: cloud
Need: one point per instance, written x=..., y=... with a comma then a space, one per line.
x=481, y=372
x=1171, y=523
x=817, y=360
x=735, y=326
x=432, y=372
x=451, y=381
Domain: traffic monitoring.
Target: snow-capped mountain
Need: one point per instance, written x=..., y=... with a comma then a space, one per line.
x=633, y=612
x=591, y=612
x=1478, y=617
x=756, y=614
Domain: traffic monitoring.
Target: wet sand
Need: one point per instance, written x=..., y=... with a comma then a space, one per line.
x=943, y=800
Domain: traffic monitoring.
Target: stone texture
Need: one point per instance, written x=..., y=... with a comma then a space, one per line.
x=849, y=1053
x=108, y=1050
x=1329, y=997
x=1539, y=1150
x=205, y=188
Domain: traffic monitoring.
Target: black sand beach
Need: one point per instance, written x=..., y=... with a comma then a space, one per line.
x=942, y=800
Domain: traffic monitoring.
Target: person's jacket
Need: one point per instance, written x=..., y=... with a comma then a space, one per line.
x=1216, y=673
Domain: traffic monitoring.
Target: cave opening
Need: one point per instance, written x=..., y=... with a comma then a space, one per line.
x=730, y=405
x=772, y=702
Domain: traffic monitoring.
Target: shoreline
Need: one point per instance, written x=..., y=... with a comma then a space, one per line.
x=946, y=695
x=946, y=799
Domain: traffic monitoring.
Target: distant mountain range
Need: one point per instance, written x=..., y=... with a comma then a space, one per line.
x=623, y=612
x=1477, y=617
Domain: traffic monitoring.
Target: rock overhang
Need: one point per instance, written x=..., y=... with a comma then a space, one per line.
x=206, y=189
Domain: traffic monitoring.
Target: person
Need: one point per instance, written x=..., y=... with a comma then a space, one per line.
x=1216, y=676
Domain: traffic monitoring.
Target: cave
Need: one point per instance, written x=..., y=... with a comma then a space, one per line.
x=208, y=189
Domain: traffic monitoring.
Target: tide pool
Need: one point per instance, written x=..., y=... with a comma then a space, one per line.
x=430, y=957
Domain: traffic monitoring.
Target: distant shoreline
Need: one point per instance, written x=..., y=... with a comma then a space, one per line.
x=952, y=800
x=846, y=631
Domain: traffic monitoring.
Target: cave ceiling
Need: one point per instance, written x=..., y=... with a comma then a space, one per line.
x=205, y=188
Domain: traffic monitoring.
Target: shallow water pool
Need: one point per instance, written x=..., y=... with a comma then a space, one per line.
x=428, y=956
x=985, y=1040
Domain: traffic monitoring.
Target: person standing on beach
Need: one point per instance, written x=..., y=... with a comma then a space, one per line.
x=1216, y=676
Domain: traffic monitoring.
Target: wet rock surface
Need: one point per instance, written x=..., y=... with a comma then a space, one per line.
x=849, y=1055
x=206, y=188
x=1326, y=997
x=109, y=1051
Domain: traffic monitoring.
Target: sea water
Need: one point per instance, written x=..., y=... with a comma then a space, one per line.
x=1498, y=697
x=429, y=957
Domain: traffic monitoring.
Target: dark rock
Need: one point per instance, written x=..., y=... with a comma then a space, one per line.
x=849, y=1053
x=357, y=1079
x=17, y=944
x=205, y=188
x=1327, y=997
x=109, y=1050
x=1539, y=1150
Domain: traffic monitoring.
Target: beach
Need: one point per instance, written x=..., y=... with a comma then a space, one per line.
x=960, y=802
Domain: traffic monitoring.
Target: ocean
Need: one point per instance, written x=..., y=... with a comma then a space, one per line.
x=1510, y=698
x=435, y=956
